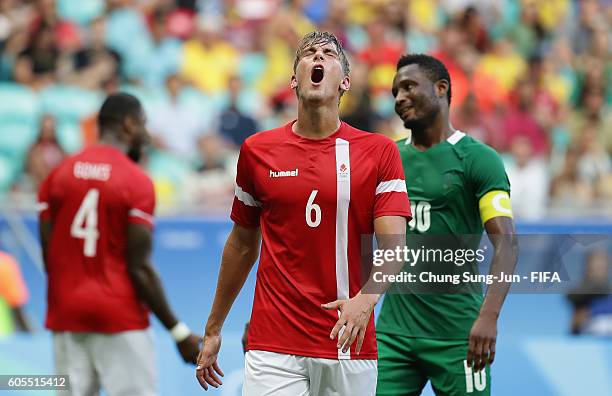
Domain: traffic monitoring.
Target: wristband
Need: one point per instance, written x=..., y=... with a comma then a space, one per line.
x=180, y=332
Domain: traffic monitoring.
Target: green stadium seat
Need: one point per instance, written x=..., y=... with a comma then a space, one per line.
x=16, y=137
x=19, y=103
x=70, y=103
x=251, y=67
x=150, y=99
x=79, y=11
x=7, y=174
x=168, y=167
x=197, y=99
x=70, y=136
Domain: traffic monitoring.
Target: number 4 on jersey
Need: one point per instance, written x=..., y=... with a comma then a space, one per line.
x=85, y=223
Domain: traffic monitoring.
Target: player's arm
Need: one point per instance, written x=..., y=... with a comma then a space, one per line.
x=45, y=218
x=239, y=256
x=355, y=313
x=496, y=214
x=149, y=288
x=44, y=228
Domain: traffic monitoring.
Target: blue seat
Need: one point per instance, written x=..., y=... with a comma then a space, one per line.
x=18, y=103
x=70, y=136
x=16, y=137
x=251, y=67
x=8, y=173
x=79, y=11
x=149, y=98
x=70, y=103
x=168, y=167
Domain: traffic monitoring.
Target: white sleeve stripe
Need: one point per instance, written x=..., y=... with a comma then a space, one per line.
x=41, y=206
x=143, y=215
x=245, y=197
x=397, y=185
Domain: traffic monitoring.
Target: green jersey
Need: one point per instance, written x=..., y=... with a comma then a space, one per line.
x=445, y=184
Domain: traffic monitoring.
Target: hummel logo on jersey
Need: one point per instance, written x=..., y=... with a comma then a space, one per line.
x=291, y=173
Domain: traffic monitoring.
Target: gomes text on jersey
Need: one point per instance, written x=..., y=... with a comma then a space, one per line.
x=313, y=199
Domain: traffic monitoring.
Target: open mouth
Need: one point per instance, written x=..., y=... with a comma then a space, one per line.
x=317, y=74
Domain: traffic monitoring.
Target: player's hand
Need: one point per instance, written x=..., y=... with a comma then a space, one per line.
x=207, y=367
x=481, y=347
x=354, y=318
x=189, y=348
x=245, y=337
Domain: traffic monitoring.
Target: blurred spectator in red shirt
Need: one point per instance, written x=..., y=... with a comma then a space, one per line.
x=382, y=49
x=521, y=121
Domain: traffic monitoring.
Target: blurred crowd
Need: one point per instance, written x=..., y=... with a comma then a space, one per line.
x=532, y=78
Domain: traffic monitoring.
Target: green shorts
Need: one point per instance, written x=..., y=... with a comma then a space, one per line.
x=405, y=364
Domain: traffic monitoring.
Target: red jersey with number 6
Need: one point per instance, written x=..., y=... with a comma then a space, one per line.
x=314, y=201
x=90, y=198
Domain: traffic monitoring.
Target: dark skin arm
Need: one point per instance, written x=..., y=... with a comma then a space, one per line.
x=149, y=288
x=45, y=227
x=483, y=336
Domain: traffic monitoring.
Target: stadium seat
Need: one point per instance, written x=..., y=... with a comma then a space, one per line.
x=16, y=137
x=168, y=167
x=149, y=98
x=70, y=103
x=19, y=103
x=79, y=11
x=207, y=106
x=251, y=68
x=7, y=174
x=127, y=22
x=194, y=97
x=70, y=136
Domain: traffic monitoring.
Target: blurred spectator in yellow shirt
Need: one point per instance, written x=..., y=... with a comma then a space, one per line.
x=208, y=60
x=504, y=64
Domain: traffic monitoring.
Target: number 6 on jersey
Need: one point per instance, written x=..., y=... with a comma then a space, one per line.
x=310, y=207
x=85, y=223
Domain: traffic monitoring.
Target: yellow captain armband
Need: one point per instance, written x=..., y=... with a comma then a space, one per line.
x=495, y=203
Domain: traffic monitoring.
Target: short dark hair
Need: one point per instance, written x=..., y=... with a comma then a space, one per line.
x=433, y=68
x=116, y=108
x=321, y=38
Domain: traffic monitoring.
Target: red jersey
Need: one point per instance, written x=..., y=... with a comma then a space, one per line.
x=313, y=199
x=90, y=198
